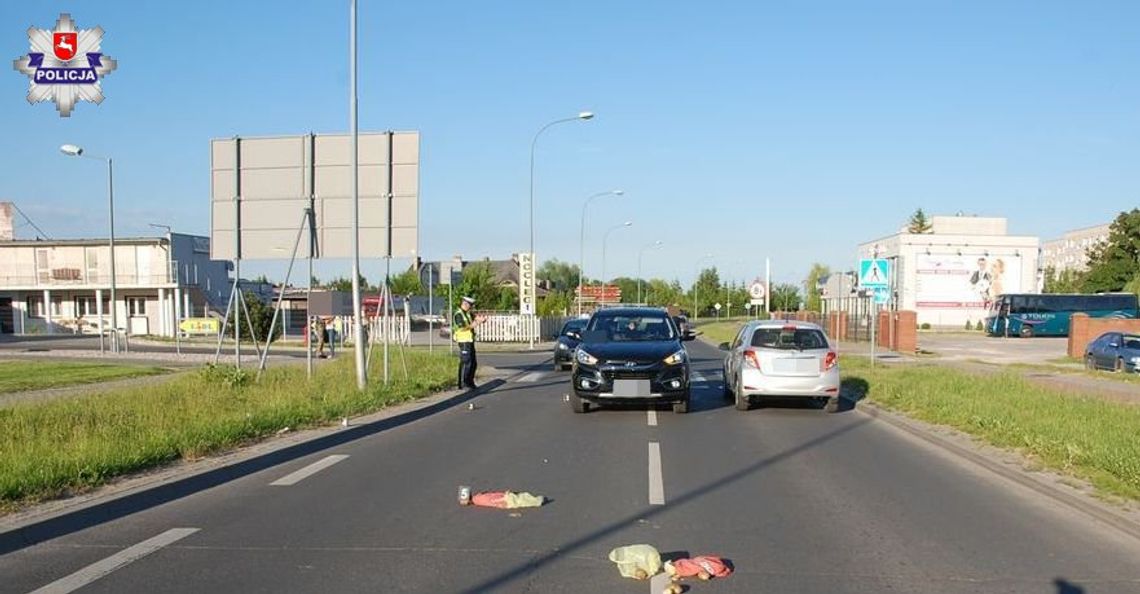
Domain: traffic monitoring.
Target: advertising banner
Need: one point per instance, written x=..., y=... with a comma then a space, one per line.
x=965, y=281
x=527, y=283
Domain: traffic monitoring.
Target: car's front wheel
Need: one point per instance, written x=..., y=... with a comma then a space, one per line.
x=1119, y=365
x=578, y=405
x=1090, y=363
x=727, y=388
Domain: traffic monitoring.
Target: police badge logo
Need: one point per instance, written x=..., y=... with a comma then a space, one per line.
x=65, y=65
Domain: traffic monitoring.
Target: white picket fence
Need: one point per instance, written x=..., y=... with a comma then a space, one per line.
x=507, y=327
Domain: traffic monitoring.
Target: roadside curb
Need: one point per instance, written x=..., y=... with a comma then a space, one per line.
x=1098, y=511
x=148, y=489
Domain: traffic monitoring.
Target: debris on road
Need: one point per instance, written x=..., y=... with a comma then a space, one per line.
x=501, y=499
x=639, y=561
x=464, y=495
x=704, y=567
x=470, y=406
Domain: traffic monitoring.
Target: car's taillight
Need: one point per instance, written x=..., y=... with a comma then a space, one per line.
x=830, y=360
x=751, y=359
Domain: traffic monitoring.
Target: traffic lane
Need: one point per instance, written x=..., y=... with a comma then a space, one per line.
x=391, y=505
x=803, y=500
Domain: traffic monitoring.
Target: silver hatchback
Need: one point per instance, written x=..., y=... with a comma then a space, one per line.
x=780, y=358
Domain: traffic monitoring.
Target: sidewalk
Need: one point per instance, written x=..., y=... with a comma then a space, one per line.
x=1059, y=379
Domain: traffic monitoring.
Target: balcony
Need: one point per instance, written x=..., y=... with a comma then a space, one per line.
x=74, y=277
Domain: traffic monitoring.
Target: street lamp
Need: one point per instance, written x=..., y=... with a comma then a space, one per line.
x=696, y=278
x=72, y=150
x=654, y=245
x=606, y=238
x=582, y=116
x=582, y=241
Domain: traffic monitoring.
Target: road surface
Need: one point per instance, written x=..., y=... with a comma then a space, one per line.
x=798, y=499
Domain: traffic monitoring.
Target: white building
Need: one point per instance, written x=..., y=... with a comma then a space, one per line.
x=950, y=275
x=63, y=286
x=1070, y=251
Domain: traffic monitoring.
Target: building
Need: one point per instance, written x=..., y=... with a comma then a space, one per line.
x=1070, y=252
x=63, y=286
x=950, y=275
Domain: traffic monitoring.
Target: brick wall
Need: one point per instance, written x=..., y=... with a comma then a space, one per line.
x=905, y=338
x=1083, y=330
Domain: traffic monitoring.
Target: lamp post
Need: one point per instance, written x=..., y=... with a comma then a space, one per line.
x=606, y=238
x=654, y=245
x=582, y=116
x=696, y=278
x=72, y=150
x=582, y=241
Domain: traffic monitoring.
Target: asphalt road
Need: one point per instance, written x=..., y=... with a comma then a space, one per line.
x=798, y=499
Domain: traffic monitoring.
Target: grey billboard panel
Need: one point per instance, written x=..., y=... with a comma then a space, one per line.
x=278, y=175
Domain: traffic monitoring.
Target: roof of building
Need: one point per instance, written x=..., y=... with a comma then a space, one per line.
x=83, y=242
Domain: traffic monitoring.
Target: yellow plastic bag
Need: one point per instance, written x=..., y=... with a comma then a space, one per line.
x=640, y=561
x=524, y=499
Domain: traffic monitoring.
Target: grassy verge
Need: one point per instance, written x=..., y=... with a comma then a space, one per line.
x=21, y=376
x=55, y=448
x=1083, y=436
x=718, y=332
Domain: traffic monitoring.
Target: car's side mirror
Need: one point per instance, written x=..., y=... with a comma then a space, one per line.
x=723, y=346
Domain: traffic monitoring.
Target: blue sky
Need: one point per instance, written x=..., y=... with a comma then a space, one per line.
x=741, y=129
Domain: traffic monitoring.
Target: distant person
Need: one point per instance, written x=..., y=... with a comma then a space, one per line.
x=321, y=333
x=463, y=327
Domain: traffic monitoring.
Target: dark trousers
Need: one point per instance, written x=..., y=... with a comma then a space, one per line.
x=467, y=364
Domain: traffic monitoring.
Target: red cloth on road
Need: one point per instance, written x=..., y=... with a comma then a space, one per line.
x=714, y=566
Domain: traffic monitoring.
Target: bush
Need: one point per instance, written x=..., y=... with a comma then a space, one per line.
x=969, y=325
x=925, y=326
x=979, y=326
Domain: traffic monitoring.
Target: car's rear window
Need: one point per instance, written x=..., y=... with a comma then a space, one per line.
x=781, y=338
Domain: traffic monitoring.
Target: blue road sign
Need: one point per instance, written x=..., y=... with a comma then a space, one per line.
x=882, y=295
x=874, y=273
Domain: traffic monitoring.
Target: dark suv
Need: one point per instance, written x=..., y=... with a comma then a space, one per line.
x=631, y=355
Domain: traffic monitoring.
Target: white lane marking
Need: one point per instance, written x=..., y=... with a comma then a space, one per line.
x=99, y=569
x=697, y=376
x=652, y=418
x=532, y=377
x=656, y=485
x=300, y=475
x=658, y=582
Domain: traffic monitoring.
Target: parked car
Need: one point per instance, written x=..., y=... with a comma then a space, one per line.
x=780, y=358
x=567, y=342
x=1118, y=351
x=630, y=355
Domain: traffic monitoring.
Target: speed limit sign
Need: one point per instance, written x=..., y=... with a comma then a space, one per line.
x=757, y=290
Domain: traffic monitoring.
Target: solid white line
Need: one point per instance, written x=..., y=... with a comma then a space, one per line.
x=652, y=418
x=697, y=376
x=656, y=485
x=99, y=569
x=532, y=377
x=300, y=475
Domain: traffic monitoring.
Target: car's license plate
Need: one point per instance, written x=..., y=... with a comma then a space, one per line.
x=631, y=388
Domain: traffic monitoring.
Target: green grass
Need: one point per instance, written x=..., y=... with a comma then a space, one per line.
x=1081, y=435
x=55, y=448
x=718, y=332
x=21, y=376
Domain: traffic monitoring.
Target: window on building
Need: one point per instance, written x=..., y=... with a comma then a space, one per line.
x=136, y=306
x=35, y=307
x=56, y=306
x=85, y=306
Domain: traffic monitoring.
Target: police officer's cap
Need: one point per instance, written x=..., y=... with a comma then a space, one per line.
x=469, y=300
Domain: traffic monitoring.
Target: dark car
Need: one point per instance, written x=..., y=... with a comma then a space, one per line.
x=567, y=341
x=1118, y=351
x=631, y=355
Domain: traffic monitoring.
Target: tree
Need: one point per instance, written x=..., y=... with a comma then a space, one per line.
x=785, y=297
x=1063, y=281
x=407, y=283
x=1115, y=262
x=556, y=303
x=664, y=293
x=345, y=284
x=814, y=294
x=560, y=276
x=260, y=316
x=919, y=223
x=705, y=291
x=628, y=288
x=479, y=283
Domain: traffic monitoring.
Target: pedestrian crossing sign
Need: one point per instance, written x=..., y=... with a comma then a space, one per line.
x=874, y=272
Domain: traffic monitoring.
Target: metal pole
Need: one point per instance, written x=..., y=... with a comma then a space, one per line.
x=386, y=303
x=358, y=335
x=431, y=310
x=874, y=316
x=114, y=295
x=768, y=286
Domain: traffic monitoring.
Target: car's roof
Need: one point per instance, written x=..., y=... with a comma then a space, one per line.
x=630, y=311
x=786, y=323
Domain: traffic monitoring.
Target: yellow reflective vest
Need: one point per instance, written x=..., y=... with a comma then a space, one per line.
x=462, y=326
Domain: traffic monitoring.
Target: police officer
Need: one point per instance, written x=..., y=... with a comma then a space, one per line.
x=463, y=330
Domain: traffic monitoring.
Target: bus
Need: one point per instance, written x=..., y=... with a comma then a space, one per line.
x=1031, y=314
